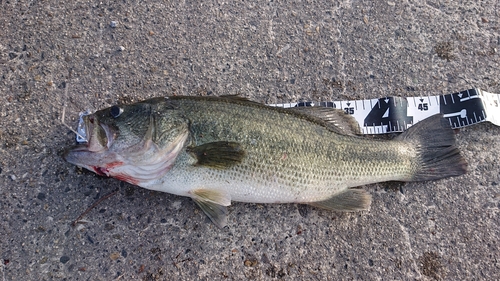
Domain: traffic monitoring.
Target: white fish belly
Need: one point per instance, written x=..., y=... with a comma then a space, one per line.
x=183, y=179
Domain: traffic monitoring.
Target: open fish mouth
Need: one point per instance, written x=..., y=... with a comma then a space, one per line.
x=95, y=151
x=100, y=136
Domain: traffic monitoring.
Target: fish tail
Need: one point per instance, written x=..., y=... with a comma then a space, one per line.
x=438, y=155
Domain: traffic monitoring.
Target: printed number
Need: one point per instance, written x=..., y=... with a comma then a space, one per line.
x=349, y=110
x=390, y=111
x=423, y=107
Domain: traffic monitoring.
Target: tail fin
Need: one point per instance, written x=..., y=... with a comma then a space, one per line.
x=439, y=156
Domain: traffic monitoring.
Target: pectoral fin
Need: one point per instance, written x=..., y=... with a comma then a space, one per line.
x=220, y=155
x=213, y=203
x=348, y=201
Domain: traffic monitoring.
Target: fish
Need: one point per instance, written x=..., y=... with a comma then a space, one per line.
x=217, y=150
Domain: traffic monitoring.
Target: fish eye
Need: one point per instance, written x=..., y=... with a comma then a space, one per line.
x=116, y=111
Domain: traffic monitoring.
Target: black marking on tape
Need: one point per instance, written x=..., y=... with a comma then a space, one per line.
x=395, y=114
x=461, y=110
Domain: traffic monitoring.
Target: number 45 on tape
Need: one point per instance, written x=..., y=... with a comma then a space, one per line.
x=396, y=114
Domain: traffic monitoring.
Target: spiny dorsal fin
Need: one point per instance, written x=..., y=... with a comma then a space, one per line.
x=220, y=154
x=239, y=99
x=349, y=200
x=235, y=97
x=337, y=120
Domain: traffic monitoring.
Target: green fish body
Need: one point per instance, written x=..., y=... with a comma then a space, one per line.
x=222, y=149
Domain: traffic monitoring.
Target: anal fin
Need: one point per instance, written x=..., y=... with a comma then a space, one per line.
x=349, y=200
x=213, y=203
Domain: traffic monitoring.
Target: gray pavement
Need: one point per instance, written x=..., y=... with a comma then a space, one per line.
x=91, y=55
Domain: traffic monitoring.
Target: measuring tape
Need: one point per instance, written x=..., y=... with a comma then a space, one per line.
x=396, y=114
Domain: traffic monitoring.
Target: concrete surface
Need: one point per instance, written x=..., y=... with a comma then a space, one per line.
x=105, y=52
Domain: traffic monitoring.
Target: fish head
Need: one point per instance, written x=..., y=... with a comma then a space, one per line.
x=136, y=143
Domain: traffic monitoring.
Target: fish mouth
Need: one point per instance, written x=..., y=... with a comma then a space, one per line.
x=100, y=136
x=95, y=154
x=99, y=140
x=69, y=153
x=101, y=163
x=82, y=156
x=139, y=164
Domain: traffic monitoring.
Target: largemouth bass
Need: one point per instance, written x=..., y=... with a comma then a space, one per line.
x=222, y=149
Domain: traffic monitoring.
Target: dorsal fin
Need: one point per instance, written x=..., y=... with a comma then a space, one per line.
x=336, y=119
x=239, y=99
x=333, y=119
x=234, y=97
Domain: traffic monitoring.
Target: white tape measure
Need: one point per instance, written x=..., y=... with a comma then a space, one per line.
x=396, y=114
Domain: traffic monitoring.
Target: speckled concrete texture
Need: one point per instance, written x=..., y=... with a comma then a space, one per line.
x=91, y=54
